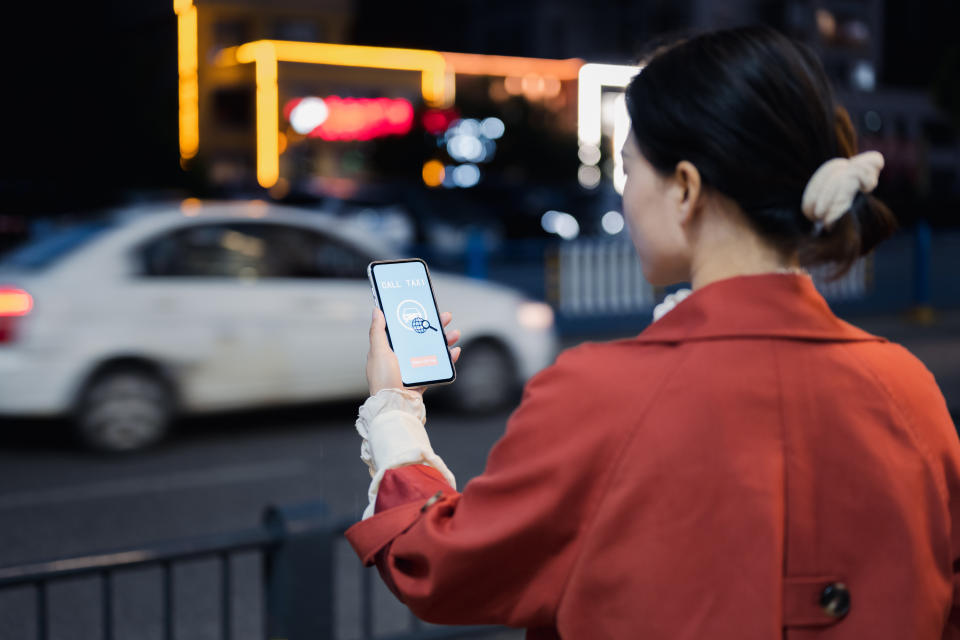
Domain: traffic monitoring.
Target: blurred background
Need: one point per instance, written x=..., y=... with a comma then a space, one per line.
x=191, y=192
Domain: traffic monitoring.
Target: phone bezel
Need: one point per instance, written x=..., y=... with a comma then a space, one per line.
x=436, y=307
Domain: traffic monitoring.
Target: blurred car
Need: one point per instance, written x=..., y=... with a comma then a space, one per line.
x=126, y=322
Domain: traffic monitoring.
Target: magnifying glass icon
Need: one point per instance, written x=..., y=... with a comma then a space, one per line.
x=420, y=325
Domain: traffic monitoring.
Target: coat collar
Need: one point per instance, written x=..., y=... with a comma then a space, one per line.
x=757, y=306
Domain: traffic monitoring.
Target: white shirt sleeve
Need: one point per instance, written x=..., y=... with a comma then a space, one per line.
x=391, y=425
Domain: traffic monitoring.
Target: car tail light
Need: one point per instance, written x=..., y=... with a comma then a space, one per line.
x=14, y=303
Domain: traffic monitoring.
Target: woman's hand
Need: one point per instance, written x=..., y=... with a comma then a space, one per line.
x=383, y=370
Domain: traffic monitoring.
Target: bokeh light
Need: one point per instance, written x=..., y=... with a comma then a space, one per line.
x=308, y=114
x=466, y=175
x=433, y=173
x=589, y=176
x=589, y=154
x=561, y=223
x=612, y=222
x=492, y=128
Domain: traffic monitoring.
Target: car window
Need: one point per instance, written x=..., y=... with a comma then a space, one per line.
x=334, y=259
x=252, y=250
x=306, y=253
x=212, y=250
x=48, y=250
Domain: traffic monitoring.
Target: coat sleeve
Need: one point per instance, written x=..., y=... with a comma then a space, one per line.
x=501, y=552
x=926, y=408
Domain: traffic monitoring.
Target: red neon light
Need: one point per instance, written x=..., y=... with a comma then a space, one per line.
x=360, y=118
x=436, y=121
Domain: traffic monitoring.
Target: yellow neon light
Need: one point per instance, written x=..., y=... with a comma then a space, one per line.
x=484, y=65
x=268, y=111
x=430, y=64
x=265, y=54
x=189, y=87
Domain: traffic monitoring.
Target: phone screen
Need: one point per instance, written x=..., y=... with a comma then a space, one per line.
x=406, y=297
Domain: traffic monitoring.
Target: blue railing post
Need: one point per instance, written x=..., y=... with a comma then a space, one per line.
x=922, y=253
x=476, y=254
x=299, y=573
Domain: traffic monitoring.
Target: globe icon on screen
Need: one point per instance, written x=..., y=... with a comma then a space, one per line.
x=417, y=324
x=410, y=310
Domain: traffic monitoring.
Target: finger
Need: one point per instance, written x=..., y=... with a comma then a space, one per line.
x=452, y=337
x=378, y=332
x=455, y=354
x=445, y=318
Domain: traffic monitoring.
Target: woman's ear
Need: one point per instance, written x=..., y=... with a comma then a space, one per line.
x=688, y=188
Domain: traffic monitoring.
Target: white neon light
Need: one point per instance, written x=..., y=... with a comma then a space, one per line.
x=621, y=128
x=593, y=78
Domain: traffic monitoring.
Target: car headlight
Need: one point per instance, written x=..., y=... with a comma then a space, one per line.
x=535, y=315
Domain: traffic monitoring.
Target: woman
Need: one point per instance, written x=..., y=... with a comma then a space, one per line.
x=749, y=466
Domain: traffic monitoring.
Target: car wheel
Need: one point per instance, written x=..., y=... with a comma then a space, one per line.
x=486, y=379
x=124, y=410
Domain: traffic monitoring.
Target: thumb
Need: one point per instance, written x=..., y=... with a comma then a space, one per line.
x=378, y=332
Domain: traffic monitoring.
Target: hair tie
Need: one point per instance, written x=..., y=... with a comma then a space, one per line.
x=830, y=192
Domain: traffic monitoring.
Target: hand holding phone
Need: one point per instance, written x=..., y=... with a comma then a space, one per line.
x=383, y=369
x=408, y=344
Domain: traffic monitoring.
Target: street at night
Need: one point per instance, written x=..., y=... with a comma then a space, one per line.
x=239, y=238
x=217, y=474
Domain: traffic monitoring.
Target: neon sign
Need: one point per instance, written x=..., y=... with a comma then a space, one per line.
x=336, y=118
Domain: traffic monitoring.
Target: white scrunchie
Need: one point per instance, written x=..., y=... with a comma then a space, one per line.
x=833, y=186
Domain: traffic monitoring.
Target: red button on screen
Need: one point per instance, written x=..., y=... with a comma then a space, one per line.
x=423, y=361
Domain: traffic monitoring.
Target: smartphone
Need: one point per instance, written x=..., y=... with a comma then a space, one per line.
x=404, y=293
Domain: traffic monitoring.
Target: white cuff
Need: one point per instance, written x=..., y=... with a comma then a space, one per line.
x=391, y=425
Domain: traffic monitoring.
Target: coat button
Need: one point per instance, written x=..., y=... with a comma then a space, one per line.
x=434, y=499
x=835, y=600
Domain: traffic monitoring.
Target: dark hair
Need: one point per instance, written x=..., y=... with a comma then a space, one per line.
x=754, y=112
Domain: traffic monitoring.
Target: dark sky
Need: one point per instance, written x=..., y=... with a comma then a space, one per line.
x=93, y=112
x=919, y=34
x=94, y=105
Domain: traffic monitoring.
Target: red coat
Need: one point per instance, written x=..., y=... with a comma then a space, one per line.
x=709, y=478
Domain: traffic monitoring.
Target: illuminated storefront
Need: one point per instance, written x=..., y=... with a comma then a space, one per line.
x=305, y=115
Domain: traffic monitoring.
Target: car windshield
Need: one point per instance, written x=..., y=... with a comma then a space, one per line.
x=48, y=249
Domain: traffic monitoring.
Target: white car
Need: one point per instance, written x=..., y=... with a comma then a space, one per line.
x=156, y=311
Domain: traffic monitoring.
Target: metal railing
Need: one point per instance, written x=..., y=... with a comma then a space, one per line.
x=105, y=566
x=596, y=283
x=590, y=277
x=298, y=582
x=598, y=277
